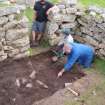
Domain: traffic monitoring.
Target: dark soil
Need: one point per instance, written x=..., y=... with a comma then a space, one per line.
x=10, y=71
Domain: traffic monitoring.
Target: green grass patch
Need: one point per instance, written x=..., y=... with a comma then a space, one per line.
x=30, y=52
x=3, y=5
x=54, y=1
x=45, y=43
x=86, y=3
x=89, y=99
x=99, y=65
x=29, y=13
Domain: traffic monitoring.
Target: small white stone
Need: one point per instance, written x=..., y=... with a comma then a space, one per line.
x=93, y=13
x=103, y=15
x=18, y=11
x=14, y=99
x=29, y=85
x=68, y=84
x=94, y=93
x=18, y=82
x=76, y=99
x=42, y=84
x=32, y=75
x=24, y=80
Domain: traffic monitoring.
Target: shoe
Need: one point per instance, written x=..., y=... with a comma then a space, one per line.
x=82, y=73
x=34, y=44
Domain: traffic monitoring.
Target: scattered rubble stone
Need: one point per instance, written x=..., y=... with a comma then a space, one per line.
x=17, y=82
x=33, y=75
x=29, y=85
x=42, y=84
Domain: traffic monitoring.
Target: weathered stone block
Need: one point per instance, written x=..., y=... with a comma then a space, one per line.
x=86, y=31
x=98, y=37
x=22, y=55
x=52, y=27
x=82, y=23
x=79, y=13
x=61, y=6
x=102, y=46
x=12, y=10
x=69, y=25
x=8, y=48
x=70, y=2
x=10, y=25
x=68, y=18
x=56, y=40
x=24, y=22
x=98, y=19
x=51, y=37
x=91, y=41
x=12, y=35
x=3, y=20
x=102, y=52
x=2, y=33
x=55, y=9
x=101, y=26
x=13, y=52
x=93, y=13
x=25, y=48
x=19, y=43
x=1, y=46
x=11, y=17
x=71, y=10
x=96, y=9
x=63, y=11
x=3, y=57
x=57, y=17
x=1, y=52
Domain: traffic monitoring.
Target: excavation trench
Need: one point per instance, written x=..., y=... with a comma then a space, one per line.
x=18, y=88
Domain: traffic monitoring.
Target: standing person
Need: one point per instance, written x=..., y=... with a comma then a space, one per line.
x=77, y=53
x=41, y=10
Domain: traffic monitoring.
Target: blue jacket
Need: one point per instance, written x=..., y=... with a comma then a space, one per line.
x=83, y=54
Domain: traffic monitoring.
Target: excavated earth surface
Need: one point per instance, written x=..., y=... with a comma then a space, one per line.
x=18, y=88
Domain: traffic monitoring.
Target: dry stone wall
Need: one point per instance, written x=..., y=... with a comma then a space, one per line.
x=87, y=26
x=91, y=27
x=14, y=34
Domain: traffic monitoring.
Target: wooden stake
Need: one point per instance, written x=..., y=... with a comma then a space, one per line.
x=73, y=92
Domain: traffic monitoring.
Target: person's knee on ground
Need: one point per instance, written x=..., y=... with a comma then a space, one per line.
x=54, y=59
x=80, y=69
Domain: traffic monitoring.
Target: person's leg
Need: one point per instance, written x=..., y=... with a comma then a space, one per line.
x=39, y=36
x=88, y=61
x=41, y=28
x=34, y=35
x=80, y=69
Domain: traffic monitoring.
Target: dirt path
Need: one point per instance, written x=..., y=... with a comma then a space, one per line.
x=25, y=81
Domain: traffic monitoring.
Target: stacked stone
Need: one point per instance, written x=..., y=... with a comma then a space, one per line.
x=88, y=26
x=62, y=16
x=92, y=29
x=14, y=39
x=29, y=3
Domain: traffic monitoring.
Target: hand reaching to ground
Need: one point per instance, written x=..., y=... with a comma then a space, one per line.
x=61, y=73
